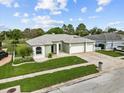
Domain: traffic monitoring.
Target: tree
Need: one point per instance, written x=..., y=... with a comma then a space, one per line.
x=37, y=32
x=111, y=29
x=32, y=33
x=55, y=30
x=23, y=50
x=65, y=28
x=70, y=29
x=15, y=34
x=1, y=39
x=81, y=30
x=95, y=30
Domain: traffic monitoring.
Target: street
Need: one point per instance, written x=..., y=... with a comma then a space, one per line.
x=111, y=82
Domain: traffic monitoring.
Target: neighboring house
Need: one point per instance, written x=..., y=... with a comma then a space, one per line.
x=59, y=43
x=108, y=41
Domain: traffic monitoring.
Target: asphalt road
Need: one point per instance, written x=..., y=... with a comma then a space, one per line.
x=111, y=82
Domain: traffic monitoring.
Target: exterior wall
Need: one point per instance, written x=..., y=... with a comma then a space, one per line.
x=76, y=48
x=65, y=47
x=38, y=55
x=89, y=47
x=111, y=44
x=115, y=44
x=47, y=50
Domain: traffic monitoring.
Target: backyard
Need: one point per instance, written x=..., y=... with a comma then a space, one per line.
x=8, y=70
x=39, y=82
x=111, y=53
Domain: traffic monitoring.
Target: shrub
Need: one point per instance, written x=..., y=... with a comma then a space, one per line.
x=22, y=60
x=23, y=50
x=50, y=55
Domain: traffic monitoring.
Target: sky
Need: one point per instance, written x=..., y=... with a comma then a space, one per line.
x=53, y=13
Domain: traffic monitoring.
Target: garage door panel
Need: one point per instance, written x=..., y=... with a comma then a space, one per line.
x=77, y=49
x=89, y=48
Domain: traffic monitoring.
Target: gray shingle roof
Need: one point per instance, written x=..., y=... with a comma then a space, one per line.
x=50, y=38
x=106, y=37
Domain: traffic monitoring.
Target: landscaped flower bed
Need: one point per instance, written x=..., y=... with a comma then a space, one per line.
x=23, y=60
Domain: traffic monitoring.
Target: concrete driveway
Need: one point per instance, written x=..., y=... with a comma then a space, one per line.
x=109, y=62
x=5, y=60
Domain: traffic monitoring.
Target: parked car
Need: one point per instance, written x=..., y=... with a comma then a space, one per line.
x=3, y=54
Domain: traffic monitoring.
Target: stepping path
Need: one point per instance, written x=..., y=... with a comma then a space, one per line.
x=5, y=60
x=41, y=73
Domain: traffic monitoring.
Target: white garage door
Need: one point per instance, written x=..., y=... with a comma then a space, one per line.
x=77, y=49
x=90, y=47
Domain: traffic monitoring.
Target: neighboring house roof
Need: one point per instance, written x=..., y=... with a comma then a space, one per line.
x=106, y=37
x=51, y=38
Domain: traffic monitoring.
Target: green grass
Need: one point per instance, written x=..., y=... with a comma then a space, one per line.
x=39, y=82
x=111, y=53
x=9, y=71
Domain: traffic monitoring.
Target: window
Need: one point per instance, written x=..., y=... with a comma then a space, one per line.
x=38, y=50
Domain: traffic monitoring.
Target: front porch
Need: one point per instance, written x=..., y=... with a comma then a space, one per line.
x=41, y=53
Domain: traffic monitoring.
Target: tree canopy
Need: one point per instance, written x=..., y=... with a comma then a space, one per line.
x=81, y=30
x=95, y=30
x=55, y=30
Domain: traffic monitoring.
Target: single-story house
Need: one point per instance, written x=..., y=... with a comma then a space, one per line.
x=57, y=43
x=108, y=41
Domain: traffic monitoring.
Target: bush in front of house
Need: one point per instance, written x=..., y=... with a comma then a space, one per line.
x=23, y=50
x=22, y=60
x=50, y=55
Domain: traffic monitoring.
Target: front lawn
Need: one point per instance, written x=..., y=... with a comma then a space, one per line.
x=39, y=82
x=9, y=71
x=111, y=53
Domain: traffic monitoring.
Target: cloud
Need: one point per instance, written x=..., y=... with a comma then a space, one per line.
x=71, y=19
x=7, y=3
x=93, y=17
x=56, y=12
x=25, y=20
x=80, y=19
x=99, y=9
x=115, y=23
x=103, y=2
x=3, y=27
x=75, y=1
x=16, y=5
x=54, y=6
x=84, y=9
x=17, y=14
x=46, y=22
x=26, y=14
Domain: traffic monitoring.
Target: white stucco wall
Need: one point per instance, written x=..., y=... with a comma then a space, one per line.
x=38, y=55
x=115, y=44
x=90, y=47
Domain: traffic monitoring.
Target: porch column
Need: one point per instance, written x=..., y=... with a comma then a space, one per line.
x=57, y=48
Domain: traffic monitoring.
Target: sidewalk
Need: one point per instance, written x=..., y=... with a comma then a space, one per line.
x=41, y=73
